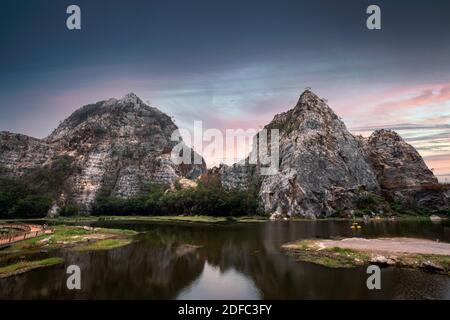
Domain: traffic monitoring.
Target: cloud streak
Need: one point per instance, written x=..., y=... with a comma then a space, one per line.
x=427, y=97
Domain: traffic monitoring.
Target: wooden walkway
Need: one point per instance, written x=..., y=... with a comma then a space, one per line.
x=21, y=232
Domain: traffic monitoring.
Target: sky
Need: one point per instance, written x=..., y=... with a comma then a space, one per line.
x=233, y=64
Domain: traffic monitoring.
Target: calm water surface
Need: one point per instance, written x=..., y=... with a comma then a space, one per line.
x=234, y=261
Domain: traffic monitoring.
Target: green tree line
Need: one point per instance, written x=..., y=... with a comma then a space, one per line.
x=205, y=199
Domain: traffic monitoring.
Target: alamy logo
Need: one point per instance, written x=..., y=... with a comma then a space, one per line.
x=374, y=20
x=374, y=280
x=73, y=22
x=74, y=280
x=263, y=152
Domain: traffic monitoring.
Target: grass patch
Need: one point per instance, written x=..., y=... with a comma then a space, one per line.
x=24, y=266
x=337, y=257
x=120, y=232
x=188, y=219
x=420, y=259
x=107, y=244
x=66, y=236
x=252, y=219
x=308, y=251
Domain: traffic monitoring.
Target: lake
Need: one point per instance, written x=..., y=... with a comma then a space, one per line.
x=230, y=261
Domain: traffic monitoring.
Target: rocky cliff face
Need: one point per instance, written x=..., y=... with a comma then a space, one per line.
x=320, y=161
x=20, y=153
x=115, y=146
x=324, y=168
x=401, y=172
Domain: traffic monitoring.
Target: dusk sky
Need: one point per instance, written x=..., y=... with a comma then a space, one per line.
x=233, y=63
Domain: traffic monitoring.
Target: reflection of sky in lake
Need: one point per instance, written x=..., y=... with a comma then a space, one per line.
x=216, y=284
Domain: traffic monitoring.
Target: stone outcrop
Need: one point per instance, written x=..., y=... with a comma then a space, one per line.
x=324, y=168
x=116, y=146
x=396, y=163
x=20, y=153
x=401, y=172
x=319, y=161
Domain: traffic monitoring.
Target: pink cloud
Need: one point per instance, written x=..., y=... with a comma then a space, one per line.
x=439, y=163
x=428, y=96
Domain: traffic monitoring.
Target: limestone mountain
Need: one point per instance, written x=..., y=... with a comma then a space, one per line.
x=324, y=169
x=117, y=147
x=113, y=147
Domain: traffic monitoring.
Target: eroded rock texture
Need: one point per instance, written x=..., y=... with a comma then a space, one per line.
x=401, y=172
x=116, y=146
x=324, y=168
x=20, y=153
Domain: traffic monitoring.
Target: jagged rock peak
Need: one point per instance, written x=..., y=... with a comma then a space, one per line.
x=385, y=134
x=131, y=98
x=308, y=97
x=310, y=112
x=397, y=164
x=110, y=111
x=309, y=102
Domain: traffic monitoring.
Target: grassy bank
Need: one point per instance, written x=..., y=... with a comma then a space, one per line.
x=205, y=219
x=25, y=266
x=106, y=244
x=186, y=219
x=314, y=251
x=64, y=236
x=77, y=238
x=308, y=251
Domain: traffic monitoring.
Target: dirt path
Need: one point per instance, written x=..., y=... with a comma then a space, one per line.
x=390, y=245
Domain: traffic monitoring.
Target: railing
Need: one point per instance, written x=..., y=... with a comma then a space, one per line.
x=26, y=232
x=15, y=230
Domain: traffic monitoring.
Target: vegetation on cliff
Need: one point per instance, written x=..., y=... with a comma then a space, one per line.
x=32, y=195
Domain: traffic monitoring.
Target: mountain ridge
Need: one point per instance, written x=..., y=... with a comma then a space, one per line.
x=325, y=170
x=117, y=146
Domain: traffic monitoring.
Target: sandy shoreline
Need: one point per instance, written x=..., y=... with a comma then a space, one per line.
x=390, y=245
x=401, y=252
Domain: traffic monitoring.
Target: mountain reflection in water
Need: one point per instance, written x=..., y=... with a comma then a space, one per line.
x=216, y=284
x=233, y=261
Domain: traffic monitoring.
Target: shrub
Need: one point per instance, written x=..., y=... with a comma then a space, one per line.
x=32, y=206
x=112, y=206
x=366, y=200
x=50, y=179
x=153, y=199
x=69, y=210
x=11, y=192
